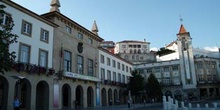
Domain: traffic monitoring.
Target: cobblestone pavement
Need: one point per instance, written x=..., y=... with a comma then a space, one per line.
x=148, y=106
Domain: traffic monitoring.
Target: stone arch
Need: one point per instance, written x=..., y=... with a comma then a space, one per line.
x=79, y=96
x=116, y=97
x=90, y=97
x=110, y=96
x=104, y=98
x=178, y=95
x=168, y=93
x=3, y=92
x=42, y=96
x=66, y=96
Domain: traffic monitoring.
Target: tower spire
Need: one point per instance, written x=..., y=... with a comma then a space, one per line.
x=95, y=28
x=55, y=4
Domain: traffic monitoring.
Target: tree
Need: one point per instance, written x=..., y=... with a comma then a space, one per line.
x=153, y=87
x=136, y=83
x=164, y=51
x=6, y=39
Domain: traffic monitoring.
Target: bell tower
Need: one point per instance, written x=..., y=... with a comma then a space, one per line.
x=187, y=68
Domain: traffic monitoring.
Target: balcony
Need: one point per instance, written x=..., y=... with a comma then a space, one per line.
x=81, y=76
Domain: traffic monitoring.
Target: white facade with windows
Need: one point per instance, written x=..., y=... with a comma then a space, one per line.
x=113, y=68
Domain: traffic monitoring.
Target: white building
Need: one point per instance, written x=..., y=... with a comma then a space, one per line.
x=187, y=73
x=114, y=73
x=32, y=71
x=135, y=51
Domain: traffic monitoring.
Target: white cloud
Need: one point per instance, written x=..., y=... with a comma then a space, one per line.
x=154, y=49
x=211, y=48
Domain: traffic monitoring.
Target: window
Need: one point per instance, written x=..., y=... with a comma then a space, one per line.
x=119, y=77
x=126, y=57
x=102, y=74
x=166, y=69
x=109, y=75
x=26, y=28
x=90, y=67
x=157, y=70
x=80, y=35
x=119, y=66
x=149, y=70
x=123, y=46
x=24, y=55
x=123, y=79
x=5, y=19
x=43, y=58
x=175, y=68
x=102, y=59
x=123, y=67
x=114, y=76
x=90, y=41
x=108, y=62
x=80, y=64
x=44, y=36
x=67, y=61
x=126, y=68
x=68, y=29
x=113, y=63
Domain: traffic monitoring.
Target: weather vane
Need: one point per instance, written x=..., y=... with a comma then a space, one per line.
x=181, y=19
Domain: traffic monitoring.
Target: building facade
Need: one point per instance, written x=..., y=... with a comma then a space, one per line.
x=32, y=71
x=114, y=73
x=135, y=51
x=187, y=73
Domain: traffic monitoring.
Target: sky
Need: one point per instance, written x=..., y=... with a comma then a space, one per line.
x=157, y=21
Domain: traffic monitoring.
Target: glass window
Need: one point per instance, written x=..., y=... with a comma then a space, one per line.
x=68, y=29
x=26, y=28
x=90, y=41
x=114, y=76
x=175, y=68
x=5, y=19
x=123, y=78
x=67, y=61
x=119, y=77
x=166, y=69
x=44, y=35
x=90, y=67
x=108, y=62
x=119, y=66
x=80, y=35
x=102, y=74
x=109, y=75
x=123, y=67
x=24, y=55
x=113, y=63
x=80, y=64
x=102, y=59
x=126, y=68
x=43, y=58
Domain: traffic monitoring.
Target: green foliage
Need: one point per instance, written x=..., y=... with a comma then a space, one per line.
x=153, y=87
x=6, y=38
x=164, y=51
x=136, y=83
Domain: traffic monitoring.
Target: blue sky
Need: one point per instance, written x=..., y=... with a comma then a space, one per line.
x=157, y=21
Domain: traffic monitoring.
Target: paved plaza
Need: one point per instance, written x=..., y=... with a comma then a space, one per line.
x=148, y=106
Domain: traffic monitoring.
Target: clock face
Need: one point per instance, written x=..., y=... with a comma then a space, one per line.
x=80, y=47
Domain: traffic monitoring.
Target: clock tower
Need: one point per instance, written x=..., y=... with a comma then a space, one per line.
x=187, y=68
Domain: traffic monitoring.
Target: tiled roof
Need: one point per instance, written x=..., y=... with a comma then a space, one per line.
x=182, y=29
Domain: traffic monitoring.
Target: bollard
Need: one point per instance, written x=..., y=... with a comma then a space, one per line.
x=190, y=105
x=176, y=102
x=164, y=103
x=182, y=104
x=215, y=105
x=198, y=106
x=206, y=105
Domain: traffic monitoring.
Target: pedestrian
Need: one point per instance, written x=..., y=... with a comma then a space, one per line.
x=144, y=102
x=129, y=103
x=16, y=104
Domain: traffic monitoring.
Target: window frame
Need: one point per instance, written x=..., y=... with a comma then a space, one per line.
x=67, y=61
x=42, y=35
x=90, y=67
x=80, y=65
x=25, y=30
x=28, y=53
x=39, y=59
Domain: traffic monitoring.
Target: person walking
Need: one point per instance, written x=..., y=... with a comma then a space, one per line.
x=16, y=104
